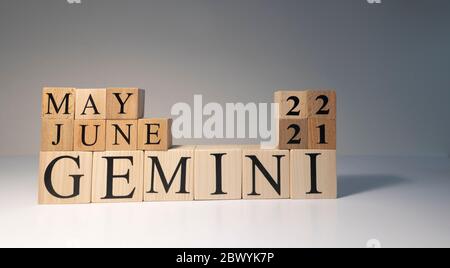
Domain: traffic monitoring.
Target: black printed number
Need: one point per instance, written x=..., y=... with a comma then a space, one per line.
x=295, y=103
x=322, y=135
x=295, y=138
x=324, y=100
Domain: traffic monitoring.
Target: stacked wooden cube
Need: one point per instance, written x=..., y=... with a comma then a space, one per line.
x=83, y=128
x=306, y=125
x=97, y=148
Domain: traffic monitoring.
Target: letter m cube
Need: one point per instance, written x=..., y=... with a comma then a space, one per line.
x=58, y=103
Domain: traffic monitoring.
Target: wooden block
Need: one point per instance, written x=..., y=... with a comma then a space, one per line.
x=125, y=103
x=57, y=135
x=313, y=174
x=90, y=103
x=292, y=104
x=121, y=135
x=321, y=133
x=218, y=172
x=117, y=177
x=58, y=103
x=154, y=134
x=65, y=177
x=321, y=104
x=265, y=174
x=292, y=134
x=168, y=176
x=89, y=135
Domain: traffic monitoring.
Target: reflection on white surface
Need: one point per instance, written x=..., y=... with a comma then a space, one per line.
x=395, y=201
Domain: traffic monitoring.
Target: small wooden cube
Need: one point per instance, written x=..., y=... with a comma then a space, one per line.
x=57, y=135
x=218, y=172
x=117, y=177
x=65, y=177
x=313, y=174
x=321, y=104
x=168, y=176
x=292, y=134
x=58, y=103
x=121, y=135
x=90, y=135
x=125, y=103
x=292, y=104
x=90, y=104
x=154, y=134
x=265, y=174
x=321, y=134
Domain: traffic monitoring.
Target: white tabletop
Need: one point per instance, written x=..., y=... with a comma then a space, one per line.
x=393, y=201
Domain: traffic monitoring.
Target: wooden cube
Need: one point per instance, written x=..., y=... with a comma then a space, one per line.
x=168, y=176
x=58, y=103
x=65, y=177
x=125, y=103
x=117, y=177
x=313, y=174
x=121, y=135
x=154, y=134
x=90, y=135
x=57, y=135
x=292, y=134
x=321, y=133
x=218, y=172
x=321, y=104
x=265, y=174
x=292, y=104
x=90, y=103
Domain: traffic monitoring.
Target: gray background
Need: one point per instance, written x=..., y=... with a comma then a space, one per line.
x=389, y=62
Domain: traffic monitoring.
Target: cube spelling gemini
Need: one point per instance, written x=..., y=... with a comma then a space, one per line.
x=96, y=147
